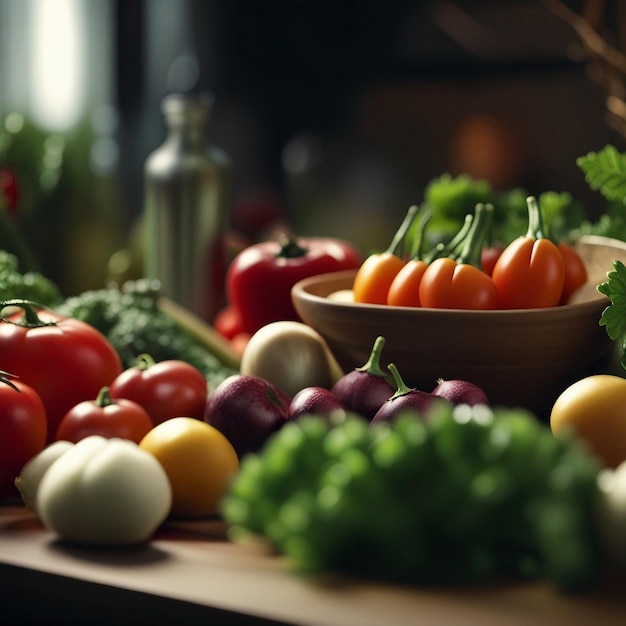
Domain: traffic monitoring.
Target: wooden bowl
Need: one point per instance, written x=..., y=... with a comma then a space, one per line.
x=521, y=358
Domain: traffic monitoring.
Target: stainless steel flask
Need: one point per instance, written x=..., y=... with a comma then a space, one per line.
x=187, y=196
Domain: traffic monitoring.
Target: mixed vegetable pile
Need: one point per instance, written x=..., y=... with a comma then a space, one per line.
x=118, y=412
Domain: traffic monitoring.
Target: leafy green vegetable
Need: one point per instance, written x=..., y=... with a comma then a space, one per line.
x=29, y=285
x=614, y=288
x=131, y=320
x=469, y=494
x=605, y=171
x=450, y=199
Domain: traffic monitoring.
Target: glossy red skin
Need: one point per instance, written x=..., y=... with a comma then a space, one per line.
x=228, y=322
x=247, y=410
x=23, y=431
x=259, y=280
x=164, y=389
x=121, y=418
x=65, y=362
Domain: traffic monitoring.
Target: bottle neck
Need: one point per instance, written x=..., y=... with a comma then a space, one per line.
x=186, y=119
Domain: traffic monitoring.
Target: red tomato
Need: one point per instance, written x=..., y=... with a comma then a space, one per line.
x=447, y=284
x=166, y=389
x=489, y=256
x=228, y=322
x=575, y=271
x=64, y=360
x=105, y=417
x=259, y=279
x=23, y=429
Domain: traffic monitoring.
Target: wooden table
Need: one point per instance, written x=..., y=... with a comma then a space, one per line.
x=189, y=574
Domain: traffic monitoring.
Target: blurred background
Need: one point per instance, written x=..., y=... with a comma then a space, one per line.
x=336, y=114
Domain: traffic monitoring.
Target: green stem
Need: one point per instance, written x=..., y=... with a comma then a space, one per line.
x=397, y=243
x=289, y=247
x=417, y=250
x=401, y=387
x=5, y=377
x=373, y=362
x=535, y=219
x=443, y=250
x=30, y=319
x=471, y=248
x=144, y=361
x=104, y=397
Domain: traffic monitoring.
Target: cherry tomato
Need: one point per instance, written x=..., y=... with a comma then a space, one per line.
x=23, y=430
x=64, y=360
x=447, y=284
x=375, y=275
x=575, y=271
x=595, y=409
x=530, y=272
x=105, y=417
x=489, y=256
x=228, y=322
x=405, y=287
x=165, y=389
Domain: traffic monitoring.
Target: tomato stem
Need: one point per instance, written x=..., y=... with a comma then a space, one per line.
x=442, y=249
x=289, y=247
x=144, y=361
x=104, y=397
x=417, y=250
x=397, y=243
x=5, y=377
x=30, y=318
x=471, y=247
x=372, y=366
x=535, y=219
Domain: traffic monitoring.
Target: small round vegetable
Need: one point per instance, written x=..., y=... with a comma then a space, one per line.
x=314, y=401
x=247, y=410
x=106, y=417
x=460, y=392
x=405, y=399
x=198, y=460
x=290, y=355
x=365, y=389
x=595, y=408
x=171, y=388
x=30, y=477
x=22, y=430
x=104, y=492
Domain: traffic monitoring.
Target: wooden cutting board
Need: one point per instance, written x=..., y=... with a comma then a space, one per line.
x=190, y=574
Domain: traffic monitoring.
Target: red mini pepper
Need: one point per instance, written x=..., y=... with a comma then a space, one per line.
x=259, y=279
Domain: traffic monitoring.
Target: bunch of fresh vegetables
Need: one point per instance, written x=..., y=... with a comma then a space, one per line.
x=532, y=271
x=467, y=494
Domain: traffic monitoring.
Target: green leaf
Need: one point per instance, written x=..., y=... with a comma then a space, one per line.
x=605, y=171
x=614, y=316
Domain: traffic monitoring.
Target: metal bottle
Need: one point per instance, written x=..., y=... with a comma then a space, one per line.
x=187, y=194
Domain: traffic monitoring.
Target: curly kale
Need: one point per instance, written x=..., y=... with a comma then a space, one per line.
x=131, y=320
x=28, y=285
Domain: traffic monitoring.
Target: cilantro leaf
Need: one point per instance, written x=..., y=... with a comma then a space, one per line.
x=605, y=171
x=614, y=316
